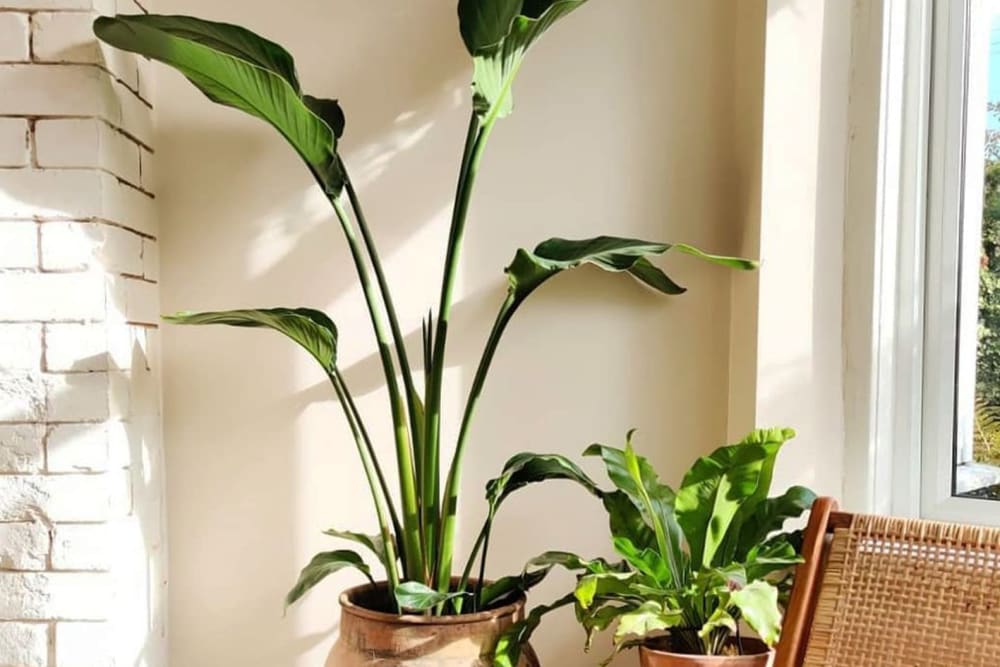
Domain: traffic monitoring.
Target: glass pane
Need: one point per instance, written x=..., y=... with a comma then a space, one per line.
x=978, y=444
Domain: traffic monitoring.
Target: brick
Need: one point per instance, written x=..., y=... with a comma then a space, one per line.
x=137, y=300
x=74, y=246
x=65, y=38
x=63, y=498
x=77, y=448
x=119, y=395
x=150, y=260
x=13, y=142
x=86, y=143
x=18, y=245
x=58, y=90
x=22, y=396
x=24, y=644
x=21, y=448
x=52, y=296
x=77, y=397
x=14, y=37
x=82, y=547
x=55, y=595
x=20, y=346
x=23, y=546
x=84, y=645
x=76, y=347
x=76, y=195
x=147, y=169
x=136, y=117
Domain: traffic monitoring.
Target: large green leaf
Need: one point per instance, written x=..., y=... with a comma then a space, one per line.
x=758, y=605
x=374, y=543
x=507, y=589
x=771, y=516
x=311, y=329
x=498, y=33
x=714, y=490
x=323, y=565
x=651, y=616
x=530, y=269
x=415, y=596
x=636, y=478
x=237, y=68
x=527, y=468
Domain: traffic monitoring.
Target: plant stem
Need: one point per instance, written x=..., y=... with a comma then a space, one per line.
x=370, y=468
x=397, y=527
x=390, y=308
x=450, y=518
x=431, y=490
x=415, y=563
x=467, y=572
x=488, y=530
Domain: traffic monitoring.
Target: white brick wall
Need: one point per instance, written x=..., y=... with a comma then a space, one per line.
x=80, y=465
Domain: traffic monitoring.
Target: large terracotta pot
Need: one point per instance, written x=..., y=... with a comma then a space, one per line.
x=371, y=638
x=755, y=654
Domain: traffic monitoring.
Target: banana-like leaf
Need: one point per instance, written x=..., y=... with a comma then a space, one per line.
x=749, y=508
x=512, y=641
x=573, y=563
x=530, y=269
x=311, y=329
x=758, y=605
x=237, y=68
x=636, y=478
x=528, y=468
x=626, y=522
x=714, y=490
x=498, y=33
x=775, y=555
x=771, y=516
x=591, y=586
x=646, y=560
x=651, y=616
x=415, y=596
x=323, y=565
x=374, y=543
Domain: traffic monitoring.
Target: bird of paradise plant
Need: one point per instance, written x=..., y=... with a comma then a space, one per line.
x=417, y=528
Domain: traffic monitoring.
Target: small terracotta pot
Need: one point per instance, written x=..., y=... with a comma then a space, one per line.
x=370, y=638
x=755, y=654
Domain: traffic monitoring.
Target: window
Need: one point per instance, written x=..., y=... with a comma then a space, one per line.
x=960, y=398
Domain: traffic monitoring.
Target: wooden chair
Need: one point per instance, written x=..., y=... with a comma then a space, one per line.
x=883, y=592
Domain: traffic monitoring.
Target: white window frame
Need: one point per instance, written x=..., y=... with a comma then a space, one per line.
x=906, y=197
x=953, y=221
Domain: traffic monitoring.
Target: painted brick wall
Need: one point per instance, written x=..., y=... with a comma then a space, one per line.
x=82, y=576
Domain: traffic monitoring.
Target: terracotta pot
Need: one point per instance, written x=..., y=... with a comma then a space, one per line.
x=370, y=638
x=755, y=654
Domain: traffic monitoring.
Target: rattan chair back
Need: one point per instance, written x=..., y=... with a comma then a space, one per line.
x=885, y=592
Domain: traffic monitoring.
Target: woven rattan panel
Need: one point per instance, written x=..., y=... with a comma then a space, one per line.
x=908, y=593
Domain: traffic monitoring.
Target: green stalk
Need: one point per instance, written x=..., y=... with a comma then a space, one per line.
x=370, y=467
x=450, y=519
x=390, y=308
x=415, y=563
x=467, y=572
x=431, y=465
x=397, y=527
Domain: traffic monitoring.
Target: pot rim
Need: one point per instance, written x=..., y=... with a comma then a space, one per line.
x=348, y=606
x=758, y=648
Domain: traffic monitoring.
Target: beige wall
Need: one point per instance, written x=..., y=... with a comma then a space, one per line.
x=634, y=117
x=799, y=360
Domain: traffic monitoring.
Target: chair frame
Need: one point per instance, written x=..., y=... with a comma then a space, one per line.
x=823, y=520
